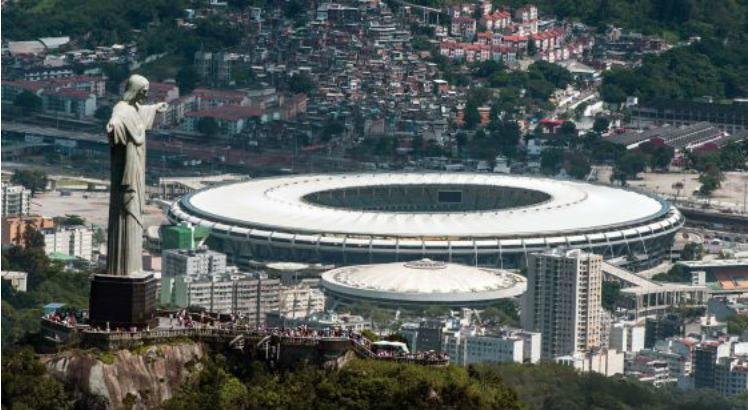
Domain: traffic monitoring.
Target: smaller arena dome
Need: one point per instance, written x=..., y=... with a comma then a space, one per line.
x=421, y=283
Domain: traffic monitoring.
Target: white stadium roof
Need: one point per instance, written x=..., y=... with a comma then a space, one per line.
x=277, y=204
x=423, y=281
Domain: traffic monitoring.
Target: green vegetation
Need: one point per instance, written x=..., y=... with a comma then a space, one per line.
x=692, y=251
x=33, y=180
x=713, y=68
x=47, y=282
x=98, y=22
x=549, y=386
x=737, y=324
x=69, y=220
x=676, y=274
x=664, y=17
x=503, y=312
x=208, y=126
x=26, y=384
x=27, y=102
x=362, y=384
x=611, y=294
x=301, y=83
x=628, y=166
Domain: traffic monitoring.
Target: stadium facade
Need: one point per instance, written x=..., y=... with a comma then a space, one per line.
x=480, y=219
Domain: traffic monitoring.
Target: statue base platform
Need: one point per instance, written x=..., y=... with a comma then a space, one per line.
x=123, y=301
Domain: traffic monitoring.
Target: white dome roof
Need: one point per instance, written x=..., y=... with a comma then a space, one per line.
x=424, y=281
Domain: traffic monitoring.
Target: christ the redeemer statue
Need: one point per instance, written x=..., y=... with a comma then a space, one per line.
x=126, y=130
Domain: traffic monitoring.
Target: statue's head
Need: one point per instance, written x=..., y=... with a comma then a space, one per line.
x=137, y=89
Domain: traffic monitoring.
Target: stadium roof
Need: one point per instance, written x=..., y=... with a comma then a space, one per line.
x=423, y=281
x=278, y=204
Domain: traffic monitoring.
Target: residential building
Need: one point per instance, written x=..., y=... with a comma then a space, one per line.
x=626, y=337
x=731, y=375
x=14, y=228
x=248, y=296
x=470, y=345
x=16, y=200
x=230, y=119
x=563, y=301
x=321, y=321
x=302, y=299
x=18, y=280
x=72, y=241
x=662, y=327
x=608, y=362
x=69, y=102
x=215, y=67
x=705, y=358
x=649, y=370
x=193, y=263
x=430, y=334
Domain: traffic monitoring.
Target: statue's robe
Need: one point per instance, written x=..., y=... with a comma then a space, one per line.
x=126, y=131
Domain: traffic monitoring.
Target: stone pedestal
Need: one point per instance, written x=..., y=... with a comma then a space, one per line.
x=123, y=301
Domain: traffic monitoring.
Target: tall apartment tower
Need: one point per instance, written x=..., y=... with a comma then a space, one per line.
x=563, y=301
x=16, y=200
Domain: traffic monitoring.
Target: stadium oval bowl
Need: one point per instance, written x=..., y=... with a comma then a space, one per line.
x=474, y=218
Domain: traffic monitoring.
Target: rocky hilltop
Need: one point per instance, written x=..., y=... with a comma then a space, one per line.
x=131, y=379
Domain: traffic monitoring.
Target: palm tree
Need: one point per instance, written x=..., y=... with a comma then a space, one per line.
x=678, y=186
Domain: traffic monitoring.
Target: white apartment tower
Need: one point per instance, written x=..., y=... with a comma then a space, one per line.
x=16, y=200
x=74, y=241
x=563, y=301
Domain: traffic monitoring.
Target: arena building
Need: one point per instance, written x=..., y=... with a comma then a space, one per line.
x=420, y=284
x=479, y=219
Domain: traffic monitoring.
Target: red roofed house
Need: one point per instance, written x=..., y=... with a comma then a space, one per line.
x=464, y=27
x=209, y=97
x=69, y=102
x=231, y=119
x=550, y=125
x=499, y=20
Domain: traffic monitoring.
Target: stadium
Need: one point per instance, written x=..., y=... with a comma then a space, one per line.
x=480, y=219
x=420, y=284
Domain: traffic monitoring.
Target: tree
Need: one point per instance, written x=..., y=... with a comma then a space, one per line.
x=103, y=113
x=472, y=116
x=676, y=274
x=532, y=48
x=34, y=180
x=710, y=181
x=692, y=251
x=27, y=386
x=506, y=135
x=568, y=129
x=332, y=128
x=69, y=220
x=678, y=186
x=613, y=94
x=601, y=125
x=208, y=126
x=301, y=83
x=294, y=9
x=32, y=238
x=28, y=102
x=551, y=160
x=659, y=156
x=737, y=324
x=610, y=294
x=628, y=166
x=187, y=79
x=577, y=165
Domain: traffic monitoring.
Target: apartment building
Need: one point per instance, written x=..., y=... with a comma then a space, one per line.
x=563, y=301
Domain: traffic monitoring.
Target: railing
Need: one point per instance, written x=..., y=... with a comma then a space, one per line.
x=359, y=344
